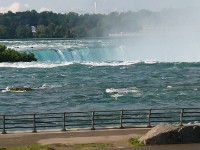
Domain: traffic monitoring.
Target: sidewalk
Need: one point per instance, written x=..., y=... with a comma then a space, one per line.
x=118, y=137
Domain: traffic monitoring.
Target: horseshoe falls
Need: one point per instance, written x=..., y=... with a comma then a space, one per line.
x=78, y=55
x=102, y=74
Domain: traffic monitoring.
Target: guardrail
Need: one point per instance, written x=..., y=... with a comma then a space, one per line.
x=98, y=119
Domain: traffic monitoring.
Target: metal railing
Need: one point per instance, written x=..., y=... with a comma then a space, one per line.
x=98, y=119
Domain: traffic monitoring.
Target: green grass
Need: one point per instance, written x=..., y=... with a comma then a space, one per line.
x=54, y=146
x=135, y=142
x=30, y=147
x=93, y=145
x=33, y=147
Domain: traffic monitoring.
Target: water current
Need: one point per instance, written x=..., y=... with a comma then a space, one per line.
x=96, y=74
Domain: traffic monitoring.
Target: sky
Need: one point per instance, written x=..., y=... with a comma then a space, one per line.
x=88, y=6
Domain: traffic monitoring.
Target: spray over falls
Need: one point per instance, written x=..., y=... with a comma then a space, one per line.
x=167, y=48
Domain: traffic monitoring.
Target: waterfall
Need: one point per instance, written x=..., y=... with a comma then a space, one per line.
x=78, y=55
x=62, y=56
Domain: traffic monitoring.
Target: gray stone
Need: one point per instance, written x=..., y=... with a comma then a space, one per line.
x=171, y=134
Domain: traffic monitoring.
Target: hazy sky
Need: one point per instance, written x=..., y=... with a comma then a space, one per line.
x=88, y=6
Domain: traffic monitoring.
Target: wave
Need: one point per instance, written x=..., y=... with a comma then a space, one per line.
x=50, y=86
x=49, y=64
x=113, y=63
x=60, y=64
x=34, y=64
x=116, y=93
x=122, y=90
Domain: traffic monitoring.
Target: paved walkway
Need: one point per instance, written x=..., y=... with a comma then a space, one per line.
x=118, y=137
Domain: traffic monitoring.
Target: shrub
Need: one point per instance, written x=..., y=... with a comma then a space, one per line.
x=10, y=55
x=135, y=142
x=2, y=48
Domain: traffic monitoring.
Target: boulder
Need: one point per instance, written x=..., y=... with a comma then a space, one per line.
x=190, y=134
x=14, y=88
x=171, y=134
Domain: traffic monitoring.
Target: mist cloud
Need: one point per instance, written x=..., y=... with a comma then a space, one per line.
x=171, y=35
x=14, y=7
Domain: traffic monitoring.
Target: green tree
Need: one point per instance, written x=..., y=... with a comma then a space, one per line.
x=60, y=31
x=41, y=31
x=23, y=31
x=3, y=32
x=50, y=30
x=78, y=31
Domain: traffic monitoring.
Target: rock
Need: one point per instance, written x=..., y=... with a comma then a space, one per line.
x=191, y=134
x=1, y=89
x=171, y=134
x=14, y=88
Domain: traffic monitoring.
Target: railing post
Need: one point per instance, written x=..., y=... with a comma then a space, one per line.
x=149, y=119
x=181, y=117
x=121, y=119
x=4, y=125
x=64, y=129
x=92, y=121
x=34, y=124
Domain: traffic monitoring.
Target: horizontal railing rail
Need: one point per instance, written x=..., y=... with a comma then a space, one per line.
x=98, y=119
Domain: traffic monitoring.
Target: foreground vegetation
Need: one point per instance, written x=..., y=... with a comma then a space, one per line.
x=10, y=55
x=135, y=142
x=33, y=147
x=57, y=146
x=93, y=145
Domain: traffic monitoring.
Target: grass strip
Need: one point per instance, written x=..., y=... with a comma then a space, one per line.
x=135, y=142
x=93, y=145
x=33, y=147
x=54, y=146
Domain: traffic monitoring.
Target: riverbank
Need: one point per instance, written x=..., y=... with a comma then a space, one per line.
x=117, y=137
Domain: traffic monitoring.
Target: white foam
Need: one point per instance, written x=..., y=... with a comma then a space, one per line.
x=6, y=90
x=66, y=63
x=35, y=64
x=116, y=93
x=116, y=96
x=49, y=86
x=122, y=90
x=150, y=62
x=169, y=86
x=112, y=63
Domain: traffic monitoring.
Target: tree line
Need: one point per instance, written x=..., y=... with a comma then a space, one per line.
x=70, y=25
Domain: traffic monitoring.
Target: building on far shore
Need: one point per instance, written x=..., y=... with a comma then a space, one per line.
x=33, y=29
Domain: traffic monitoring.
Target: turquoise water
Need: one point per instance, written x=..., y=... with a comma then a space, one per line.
x=95, y=74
